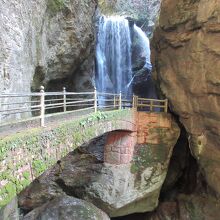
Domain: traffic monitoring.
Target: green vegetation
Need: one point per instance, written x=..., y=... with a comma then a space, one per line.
x=41, y=148
x=14, y=185
x=94, y=117
x=149, y=154
x=195, y=212
x=55, y=5
x=143, y=159
x=39, y=166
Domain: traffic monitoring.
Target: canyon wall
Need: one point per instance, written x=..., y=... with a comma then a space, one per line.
x=144, y=12
x=45, y=42
x=187, y=62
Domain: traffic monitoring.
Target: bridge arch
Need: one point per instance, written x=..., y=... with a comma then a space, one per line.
x=27, y=154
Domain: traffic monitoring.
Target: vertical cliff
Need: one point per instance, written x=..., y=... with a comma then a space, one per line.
x=144, y=12
x=44, y=42
x=187, y=62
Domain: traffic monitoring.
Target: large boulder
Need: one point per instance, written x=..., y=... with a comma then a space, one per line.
x=77, y=169
x=187, y=51
x=67, y=208
x=116, y=189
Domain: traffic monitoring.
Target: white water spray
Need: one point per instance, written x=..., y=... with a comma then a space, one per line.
x=113, y=54
x=145, y=44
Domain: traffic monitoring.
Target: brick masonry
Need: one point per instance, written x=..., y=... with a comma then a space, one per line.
x=147, y=124
x=119, y=146
x=27, y=154
x=33, y=151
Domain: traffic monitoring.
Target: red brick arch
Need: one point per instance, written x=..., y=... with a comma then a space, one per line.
x=119, y=147
x=141, y=129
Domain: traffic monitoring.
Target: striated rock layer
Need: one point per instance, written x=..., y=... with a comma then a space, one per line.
x=44, y=42
x=187, y=51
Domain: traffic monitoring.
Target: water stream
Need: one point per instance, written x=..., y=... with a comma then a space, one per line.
x=145, y=44
x=113, y=54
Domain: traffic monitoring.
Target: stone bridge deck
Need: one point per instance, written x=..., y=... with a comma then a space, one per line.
x=25, y=155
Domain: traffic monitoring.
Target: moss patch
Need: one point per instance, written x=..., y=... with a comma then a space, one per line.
x=55, y=5
x=28, y=154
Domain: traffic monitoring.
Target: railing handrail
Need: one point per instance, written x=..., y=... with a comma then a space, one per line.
x=53, y=93
x=155, y=100
x=139, y=102
x=43, y=103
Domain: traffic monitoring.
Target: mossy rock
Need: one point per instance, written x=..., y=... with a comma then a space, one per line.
x=55, y=6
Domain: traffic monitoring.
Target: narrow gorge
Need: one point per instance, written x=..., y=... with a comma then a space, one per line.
x=126, y=158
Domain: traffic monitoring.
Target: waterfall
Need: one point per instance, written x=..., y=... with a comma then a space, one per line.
x=113, y=56
x=145, y=44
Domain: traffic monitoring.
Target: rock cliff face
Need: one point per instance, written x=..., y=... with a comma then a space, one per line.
x=187, y=51
x=143, y=11
x=44, y=42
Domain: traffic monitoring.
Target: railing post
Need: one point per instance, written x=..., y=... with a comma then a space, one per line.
x=95, y=100
x=114, y=102
x=151, y=105
x=64, y=99
x=120, y=104
x=42, y=106
x=134, y=102
x=166, y=105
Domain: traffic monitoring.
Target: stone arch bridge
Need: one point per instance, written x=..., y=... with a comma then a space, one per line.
x=72, y=119
x=27, y=154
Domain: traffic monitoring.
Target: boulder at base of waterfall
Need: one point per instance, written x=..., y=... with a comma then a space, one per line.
x=67, y=208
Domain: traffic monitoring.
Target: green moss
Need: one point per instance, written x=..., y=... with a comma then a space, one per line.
x=55, y=5
x=12, y=188
x=34, y=143
x=39, y=166
x=7, y=193
x=195, y=212
x=134, y=168
x=106, y=7
x=142, y=159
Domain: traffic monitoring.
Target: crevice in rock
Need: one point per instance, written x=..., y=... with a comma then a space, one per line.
x=182, y=171
x=70, y=191
x=38, y=78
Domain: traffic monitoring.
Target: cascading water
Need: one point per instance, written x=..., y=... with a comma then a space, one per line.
x=145, y=44
x=113, y=54
x=144, y=84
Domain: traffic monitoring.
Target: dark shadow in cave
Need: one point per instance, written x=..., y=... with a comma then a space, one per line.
x=182, y=171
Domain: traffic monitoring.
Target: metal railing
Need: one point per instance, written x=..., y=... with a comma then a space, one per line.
x=150, y=105
x=22, y=106
x=39, y=105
